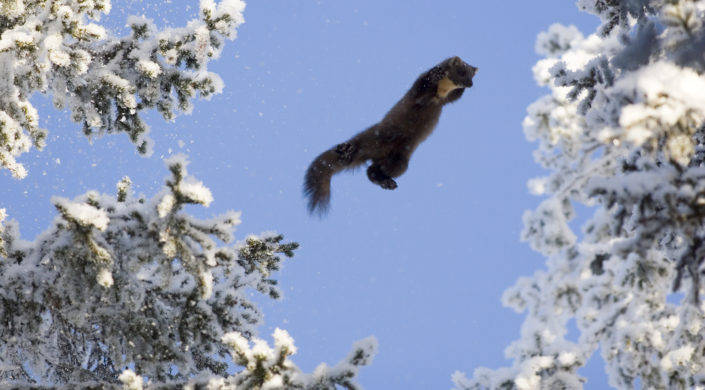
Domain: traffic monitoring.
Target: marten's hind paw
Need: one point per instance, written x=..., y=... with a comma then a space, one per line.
x=388, y=184
x=345, y=152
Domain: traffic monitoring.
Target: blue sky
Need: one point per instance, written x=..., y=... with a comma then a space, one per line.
x=423, y=267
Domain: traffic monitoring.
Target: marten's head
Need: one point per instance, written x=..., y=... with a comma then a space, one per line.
x=459, y=72
x=458, y=75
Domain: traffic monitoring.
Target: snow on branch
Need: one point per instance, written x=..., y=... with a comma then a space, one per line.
x=104, y=80
x=270, y=368
x=616, y=13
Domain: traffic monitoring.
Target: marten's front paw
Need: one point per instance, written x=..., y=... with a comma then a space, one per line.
x=345, y=152
x=388, y=184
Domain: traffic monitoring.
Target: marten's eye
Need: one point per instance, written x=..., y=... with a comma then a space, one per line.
x=462, y=73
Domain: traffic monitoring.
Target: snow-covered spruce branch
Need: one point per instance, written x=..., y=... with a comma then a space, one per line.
x=53, y=47
x=265, y=368
x=622, y=134
x=119, y=281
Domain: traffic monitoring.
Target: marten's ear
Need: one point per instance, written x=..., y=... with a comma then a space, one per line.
x=455, y=61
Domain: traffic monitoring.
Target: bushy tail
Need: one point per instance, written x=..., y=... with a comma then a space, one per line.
x=318, y=176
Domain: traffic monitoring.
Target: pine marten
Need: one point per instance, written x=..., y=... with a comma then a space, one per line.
x=390, y=143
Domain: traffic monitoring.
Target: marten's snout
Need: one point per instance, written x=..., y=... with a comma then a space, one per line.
x=471, y=73
x=465, y=75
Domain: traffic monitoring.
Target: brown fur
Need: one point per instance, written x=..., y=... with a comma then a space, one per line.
x=390, y=143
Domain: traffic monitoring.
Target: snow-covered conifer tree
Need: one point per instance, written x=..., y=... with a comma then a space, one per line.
x=124, y=291
x=58, y=48
x=623, y=135
x=122, y=287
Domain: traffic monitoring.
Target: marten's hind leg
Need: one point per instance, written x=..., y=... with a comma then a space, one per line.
x=382, y=171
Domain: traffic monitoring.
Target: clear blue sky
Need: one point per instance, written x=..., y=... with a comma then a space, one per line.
x=423, y=267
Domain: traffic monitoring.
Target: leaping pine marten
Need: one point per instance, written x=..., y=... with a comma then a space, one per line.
x=390, y=143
